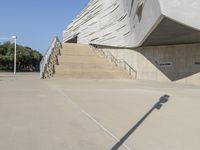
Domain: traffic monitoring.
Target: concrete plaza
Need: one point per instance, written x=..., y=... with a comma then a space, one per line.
x=67, y=114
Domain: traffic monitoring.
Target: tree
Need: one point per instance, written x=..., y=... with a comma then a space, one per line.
x=27, y=59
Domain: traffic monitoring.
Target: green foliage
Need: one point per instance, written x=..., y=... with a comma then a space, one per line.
x=27, y=59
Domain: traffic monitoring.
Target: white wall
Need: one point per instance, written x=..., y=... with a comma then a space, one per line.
x=115, y=23
x=148, y=62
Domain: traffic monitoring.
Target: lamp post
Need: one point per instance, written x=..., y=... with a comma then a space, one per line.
x=15, y=50
x=15, y=53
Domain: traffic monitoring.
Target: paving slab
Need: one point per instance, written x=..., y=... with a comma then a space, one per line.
x=119, y=105
x=68, y=114
x=35, y=116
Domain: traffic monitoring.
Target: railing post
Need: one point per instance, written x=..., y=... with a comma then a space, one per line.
x=124, y=66
x=118, y=62
x=129, y=71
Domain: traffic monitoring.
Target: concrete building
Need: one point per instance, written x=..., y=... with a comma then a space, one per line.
x=160, y=39
x=134, y=23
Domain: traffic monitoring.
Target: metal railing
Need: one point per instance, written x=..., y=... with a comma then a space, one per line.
x=50, y=59
x=118, y=62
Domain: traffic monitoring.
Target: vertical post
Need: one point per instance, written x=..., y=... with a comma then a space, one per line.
x=15, y=60
x=124, y=66
x=15, y=54
x=129, y=71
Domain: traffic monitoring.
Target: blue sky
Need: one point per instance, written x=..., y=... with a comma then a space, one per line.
x=36, y=22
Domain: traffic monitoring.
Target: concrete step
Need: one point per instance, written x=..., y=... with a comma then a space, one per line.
x=75, y=46
x=89, y=70
x=80, y=61
x=77, y=53
x=86, y=65
x=95, y=71
x=97, y=75
x=72, y=76
x=77, y=50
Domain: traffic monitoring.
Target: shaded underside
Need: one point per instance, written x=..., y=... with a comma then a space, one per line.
x=169, y=32
x=72, y=40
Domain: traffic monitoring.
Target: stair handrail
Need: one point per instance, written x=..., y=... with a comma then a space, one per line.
x=116, y=61
x=55, y=44
x=130, y=68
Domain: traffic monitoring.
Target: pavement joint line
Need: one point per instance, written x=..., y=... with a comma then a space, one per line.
x=91, y=118
x=95, y=121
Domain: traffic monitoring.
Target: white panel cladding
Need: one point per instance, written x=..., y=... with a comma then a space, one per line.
x=128, y=23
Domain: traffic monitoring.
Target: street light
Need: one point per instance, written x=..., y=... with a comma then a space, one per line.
x=15, y=53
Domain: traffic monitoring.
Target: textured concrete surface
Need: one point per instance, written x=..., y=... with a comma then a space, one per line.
x=128, y=23
x=87, y=114
x=34, y=115
x=168, y=31
x=80, y=61
x=171, y=63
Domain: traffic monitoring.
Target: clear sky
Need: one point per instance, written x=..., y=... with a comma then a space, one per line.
x=36, y=22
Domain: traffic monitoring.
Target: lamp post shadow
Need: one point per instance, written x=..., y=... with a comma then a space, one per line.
x=157, y=106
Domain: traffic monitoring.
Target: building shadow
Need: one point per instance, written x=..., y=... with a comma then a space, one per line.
x=174, y=61
x=157, y=106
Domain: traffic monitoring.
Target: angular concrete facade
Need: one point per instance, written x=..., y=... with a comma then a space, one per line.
x=134, y=23
x=158, y=38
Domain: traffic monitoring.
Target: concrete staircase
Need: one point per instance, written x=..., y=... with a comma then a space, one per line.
x=80, y=61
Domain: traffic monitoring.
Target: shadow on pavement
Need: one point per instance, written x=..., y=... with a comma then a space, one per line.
x=157, y=106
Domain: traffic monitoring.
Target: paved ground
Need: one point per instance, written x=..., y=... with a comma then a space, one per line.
x=60, y=114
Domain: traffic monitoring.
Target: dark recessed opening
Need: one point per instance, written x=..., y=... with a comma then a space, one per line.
x=164, y=64
x=73, y=40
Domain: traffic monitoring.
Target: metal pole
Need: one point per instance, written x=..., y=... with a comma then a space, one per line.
x=15, y=59
x=15, y=54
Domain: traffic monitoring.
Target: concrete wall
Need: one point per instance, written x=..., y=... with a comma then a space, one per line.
x=175, y=63
x=129, y=23
x=120, y=23
x=139, y=23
